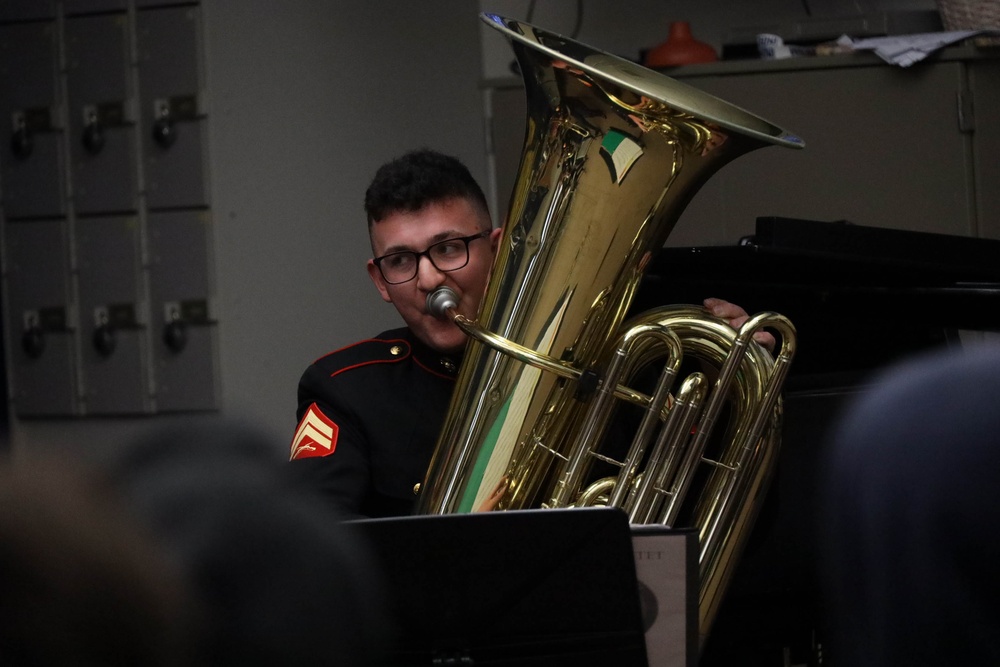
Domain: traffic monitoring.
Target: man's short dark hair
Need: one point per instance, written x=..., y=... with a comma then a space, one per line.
x=418, y=178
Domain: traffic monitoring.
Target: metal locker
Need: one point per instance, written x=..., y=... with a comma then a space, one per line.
x=40, y=320
x=161, y=3
x=27, y=10
x=104, y=157
x=182, y=322
x=171, y=115
x=75, y=7
x=32, y=167
x=113, y=319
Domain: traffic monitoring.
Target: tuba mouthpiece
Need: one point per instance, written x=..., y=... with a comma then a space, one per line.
x=440, y=301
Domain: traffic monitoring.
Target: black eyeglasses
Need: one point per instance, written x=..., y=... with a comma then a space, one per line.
x=447, y=255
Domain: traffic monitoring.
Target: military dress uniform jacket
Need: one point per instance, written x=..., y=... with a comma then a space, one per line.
x=369, y=416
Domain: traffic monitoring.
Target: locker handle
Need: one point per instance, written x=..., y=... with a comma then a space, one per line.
x=93, y=137
x=33, y=342
x=175, y=335
x=164, y=132
x=105, y=340
x=22, y=143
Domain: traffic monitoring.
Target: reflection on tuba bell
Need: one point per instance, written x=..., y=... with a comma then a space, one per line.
x=613, y=153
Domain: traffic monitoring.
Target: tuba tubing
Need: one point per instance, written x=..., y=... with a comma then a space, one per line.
x=442, y=303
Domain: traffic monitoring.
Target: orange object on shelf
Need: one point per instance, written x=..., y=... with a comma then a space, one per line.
x=680, y=48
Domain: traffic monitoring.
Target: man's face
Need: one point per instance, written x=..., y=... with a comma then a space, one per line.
x=415, y=231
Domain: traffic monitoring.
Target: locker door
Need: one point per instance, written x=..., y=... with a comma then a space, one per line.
x=31, y=132
x=40, y=319
x=173, y=127
x=104, y=156
x=113, y=333
x=181, y=319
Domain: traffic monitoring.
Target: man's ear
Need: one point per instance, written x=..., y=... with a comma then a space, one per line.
x=379, y=281
x=495, y=238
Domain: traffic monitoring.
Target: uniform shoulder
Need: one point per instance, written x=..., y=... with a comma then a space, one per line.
x=388, y=347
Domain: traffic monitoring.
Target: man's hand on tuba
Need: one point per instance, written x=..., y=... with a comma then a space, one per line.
x=736, y=316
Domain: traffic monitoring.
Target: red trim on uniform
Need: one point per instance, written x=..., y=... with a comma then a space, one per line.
x=362, y=342
x=387, y=341
x=368, y=363
x=393, y=360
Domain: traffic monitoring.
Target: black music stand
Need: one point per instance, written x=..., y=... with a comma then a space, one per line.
x=526, y=588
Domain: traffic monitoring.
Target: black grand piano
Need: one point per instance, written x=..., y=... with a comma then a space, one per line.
x=861, y=298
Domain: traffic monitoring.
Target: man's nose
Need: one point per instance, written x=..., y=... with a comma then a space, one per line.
x=428, y=275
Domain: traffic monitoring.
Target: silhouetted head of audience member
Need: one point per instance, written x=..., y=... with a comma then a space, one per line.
x=911, y=503
x=81, y=581
x=281, y=580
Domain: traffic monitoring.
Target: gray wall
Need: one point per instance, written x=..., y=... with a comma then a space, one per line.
x=309, y=100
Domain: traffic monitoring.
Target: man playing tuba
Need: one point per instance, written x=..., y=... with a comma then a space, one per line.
x=369, y=413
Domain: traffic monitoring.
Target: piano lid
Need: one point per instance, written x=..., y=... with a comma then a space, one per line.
x=860, y=296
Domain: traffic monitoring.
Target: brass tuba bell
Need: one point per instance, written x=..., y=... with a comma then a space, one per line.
x=613, y=153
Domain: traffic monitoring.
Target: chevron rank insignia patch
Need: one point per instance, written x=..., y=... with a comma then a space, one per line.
x=315, y=436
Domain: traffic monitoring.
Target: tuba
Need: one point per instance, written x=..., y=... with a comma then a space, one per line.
x=613, y=153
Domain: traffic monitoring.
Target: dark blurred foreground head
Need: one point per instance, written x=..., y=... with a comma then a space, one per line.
x=280, y=579
x=81, y=581
x=912, y=505
x=190, y=548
